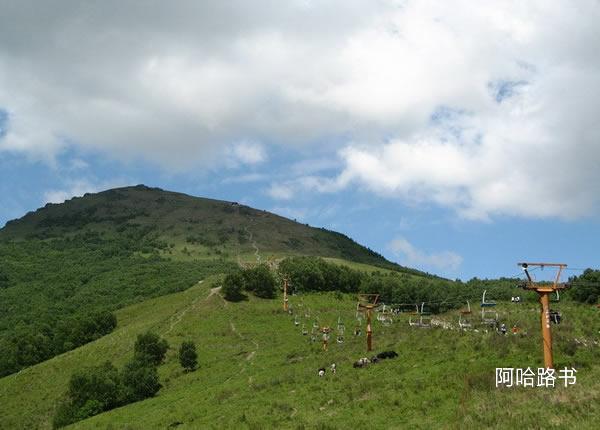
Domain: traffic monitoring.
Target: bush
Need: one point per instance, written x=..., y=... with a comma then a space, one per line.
x=233, y=286
x=91, y=391
x=140, y=381
x=260, y=281
x=100, y=383
x=188, y=358
x=149, y=347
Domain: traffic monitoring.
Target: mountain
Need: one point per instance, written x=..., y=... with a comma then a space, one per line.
x=65, y=267
x=154, y=261
x=181, y=226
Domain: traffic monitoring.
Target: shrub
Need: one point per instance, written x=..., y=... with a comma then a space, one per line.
x=188, y=358
x=260, y=281
x=233, y=286
x=91, y=391
x=149, y=347
x=140, y=381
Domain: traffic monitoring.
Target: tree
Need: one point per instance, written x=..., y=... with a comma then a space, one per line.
x=140, y=381
x=261, y=281
x=233, y=284
x=586, y=288
x=188, y=358
x=98, y=383
x=149, y=347
x=91, y=391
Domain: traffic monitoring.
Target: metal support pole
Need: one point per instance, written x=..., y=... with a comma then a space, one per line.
x=285, y=297
x=546, y=333
x=369, y=332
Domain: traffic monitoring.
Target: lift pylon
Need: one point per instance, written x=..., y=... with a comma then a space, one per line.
x=285, y=297
x=366, y=304
x=544, y=291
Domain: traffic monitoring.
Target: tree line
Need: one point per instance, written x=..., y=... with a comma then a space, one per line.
x=29, y=345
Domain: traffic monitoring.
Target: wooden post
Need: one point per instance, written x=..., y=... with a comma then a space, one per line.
x=546, y=332
x=544, y=292
x=369, y=331
x=366, y=304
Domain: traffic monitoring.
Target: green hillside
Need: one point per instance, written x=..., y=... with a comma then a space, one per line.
x=67, y=265
x=256, y=370
x=155, y=260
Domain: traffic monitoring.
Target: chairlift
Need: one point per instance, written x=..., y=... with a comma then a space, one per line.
x=296, y=322
x=556, y=298
x=424, y=317
x=359, y=314
x=341, y=329
x=385, y=316
x=304, y=330
x=487, y=304
x=464, y=320
x=555, y=316
x=424, y=320
x=489, y=317
x=412, y=322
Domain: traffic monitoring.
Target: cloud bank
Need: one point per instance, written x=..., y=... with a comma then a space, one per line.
x=414, y=257
x=488, y=108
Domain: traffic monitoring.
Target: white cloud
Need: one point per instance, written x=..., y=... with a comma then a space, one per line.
x=280, y=192
x=522, y=78
x=247, y=153
x=411, y=256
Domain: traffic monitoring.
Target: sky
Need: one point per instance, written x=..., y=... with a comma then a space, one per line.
x=457, y=137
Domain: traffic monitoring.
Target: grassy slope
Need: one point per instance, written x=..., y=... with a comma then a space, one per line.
x=258, y=371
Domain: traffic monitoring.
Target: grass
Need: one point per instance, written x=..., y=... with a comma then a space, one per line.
x=256, y=370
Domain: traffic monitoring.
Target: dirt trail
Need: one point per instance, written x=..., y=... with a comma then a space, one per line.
x=254, y=245
x=176, y=319
x=251, y=354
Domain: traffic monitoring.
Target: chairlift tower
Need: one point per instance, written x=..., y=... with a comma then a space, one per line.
x=285, y=297
x=544, y=291
x=366, y=304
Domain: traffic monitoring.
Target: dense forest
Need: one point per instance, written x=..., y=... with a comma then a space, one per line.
x=58, y=294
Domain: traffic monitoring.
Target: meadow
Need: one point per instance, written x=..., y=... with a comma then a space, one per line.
x=256, y=369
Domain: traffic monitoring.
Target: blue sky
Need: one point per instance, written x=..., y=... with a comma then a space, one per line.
x=486, y=249
x=457, y=138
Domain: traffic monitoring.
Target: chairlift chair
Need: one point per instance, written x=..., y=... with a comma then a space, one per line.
x=489, y=317
x=304, y=330
x=415, y=322
x=296, y=321
x=385, y=316
x=424, y=317
x=341, y=329
x=464, y=317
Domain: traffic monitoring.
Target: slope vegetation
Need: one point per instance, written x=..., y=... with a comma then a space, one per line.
x=256, y=370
